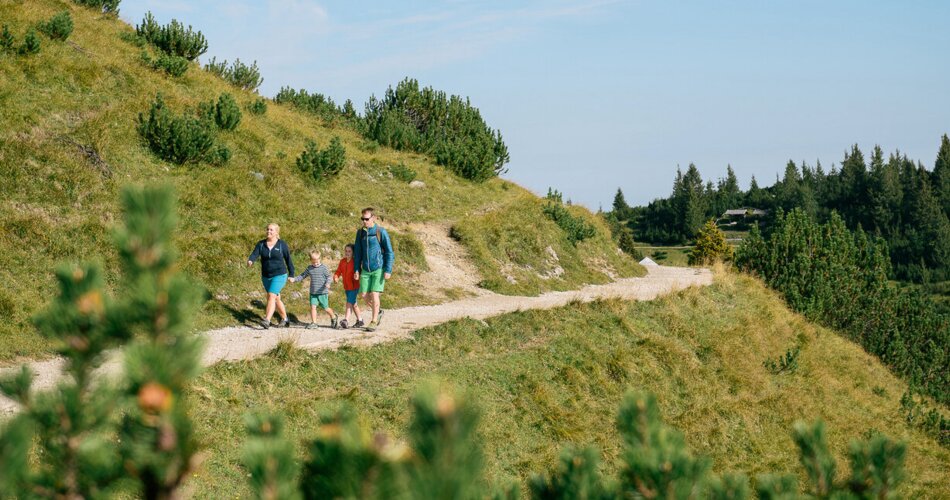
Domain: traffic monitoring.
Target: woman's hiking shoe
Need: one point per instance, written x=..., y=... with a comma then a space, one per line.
x=285, y=323
x=265, y=323
x=359, y=324
x=343, y=324
x=311, y=326
x=334, y=322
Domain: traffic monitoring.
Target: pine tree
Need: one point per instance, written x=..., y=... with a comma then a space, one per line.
x=620, y=207
x=941, y=175
x=31, y=43
x=58, y=27
x=711, y=246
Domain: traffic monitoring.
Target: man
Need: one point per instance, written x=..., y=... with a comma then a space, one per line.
x=373, y=261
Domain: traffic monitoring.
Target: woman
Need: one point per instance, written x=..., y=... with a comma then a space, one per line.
x=275, y=266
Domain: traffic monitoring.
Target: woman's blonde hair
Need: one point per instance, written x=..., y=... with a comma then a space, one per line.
x=276, y=227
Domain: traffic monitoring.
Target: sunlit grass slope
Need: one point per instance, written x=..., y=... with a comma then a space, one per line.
x=545, y=379
x=83, y=96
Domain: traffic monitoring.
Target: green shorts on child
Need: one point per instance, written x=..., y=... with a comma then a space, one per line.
x=322, y=300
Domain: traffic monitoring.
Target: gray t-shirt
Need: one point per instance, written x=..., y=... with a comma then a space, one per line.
x=319, y=279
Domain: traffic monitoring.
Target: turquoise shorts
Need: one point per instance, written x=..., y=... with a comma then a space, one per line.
x=351, y=296
x=322, y=300
x=274, y=284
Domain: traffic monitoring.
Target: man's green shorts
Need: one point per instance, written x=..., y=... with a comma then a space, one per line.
x=322, y=300
x=372, y=281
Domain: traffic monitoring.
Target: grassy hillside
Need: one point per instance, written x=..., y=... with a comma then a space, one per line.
x=544, y=379
x=68, y=142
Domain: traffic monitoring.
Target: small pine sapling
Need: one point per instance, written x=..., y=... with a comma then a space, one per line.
x=322, y=164
x=227, y=113
x=58, y=27
x=6, y=39
x=258, y=107
x=31, y=43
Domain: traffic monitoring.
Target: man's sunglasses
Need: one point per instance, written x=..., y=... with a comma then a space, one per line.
x=365, y=218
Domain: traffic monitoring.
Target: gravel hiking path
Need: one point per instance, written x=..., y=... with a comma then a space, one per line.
x=241, y=342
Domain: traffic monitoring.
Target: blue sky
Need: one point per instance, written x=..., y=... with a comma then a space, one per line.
x=592, y=95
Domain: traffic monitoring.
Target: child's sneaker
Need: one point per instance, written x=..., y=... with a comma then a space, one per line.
x=343, y=324
x=359, y=324
x=311, y=326
x=334, y=322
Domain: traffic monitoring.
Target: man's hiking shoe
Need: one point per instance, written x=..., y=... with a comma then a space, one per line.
x=334, y=321
x=311, y=326
x=371, y=327
x=379, y=319
x=359, y=324
x=343, y=324
x=265, y=323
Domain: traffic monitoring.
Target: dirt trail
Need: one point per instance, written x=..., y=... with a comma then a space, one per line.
x=444, y=259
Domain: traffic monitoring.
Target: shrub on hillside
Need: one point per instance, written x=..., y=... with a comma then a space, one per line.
x=317, y=104
x=105, y=6
x=258, y=107
x=83, y=439
x=839, y=278
x=238, y=74
x=31, y=43
x=173, y=38
x=6, y=39
x=711, y=246
x=58, y=27
x=627, y=244
x=173, y=65
x=403, y=173
x=575, y=228
x=430, y=121
x=322, y=163
x=226, y=113
x=178, y=139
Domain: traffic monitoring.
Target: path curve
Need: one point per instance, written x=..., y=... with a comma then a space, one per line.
x=242, y=342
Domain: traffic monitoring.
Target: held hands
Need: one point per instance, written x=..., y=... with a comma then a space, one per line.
x=387, y=275
x=356, y=275
x=250, y=263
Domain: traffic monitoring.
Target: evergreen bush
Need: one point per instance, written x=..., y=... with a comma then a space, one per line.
x=238, y=74
x=58, y=27
x=317, y=104
x=31, y=43
x=133, y=438
x=322, y=164
x=627, y=244
x=173, y=65
x=178, y=139
x=258, y=107
x=401, y=172
x=447, y=127
x=840, y=279
x=227, y=113
x=575, y=228
x=6, y=39
x=173, y=38
x=104, y=6
x=711, y=246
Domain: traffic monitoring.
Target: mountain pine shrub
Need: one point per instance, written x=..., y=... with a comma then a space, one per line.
x=257, y=107
x=402, y=172
x=58, y=27
x=87, y=440
x=105, y=6
x=711, y=246
x=315, y=103
x=840, y=279
x=6, y=39
x=575, y=228
x=31, y=43
x=447, y=127
x=173, y=65
x=321, y=164
x=172, y=38
x=178, y=139
x=227, y=113
x=238, y=74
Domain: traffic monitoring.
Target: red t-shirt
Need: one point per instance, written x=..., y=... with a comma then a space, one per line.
x=345, y=270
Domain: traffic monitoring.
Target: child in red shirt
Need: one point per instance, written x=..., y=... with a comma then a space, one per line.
x=345, y=271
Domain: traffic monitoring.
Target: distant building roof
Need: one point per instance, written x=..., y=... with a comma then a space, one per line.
x=743, y=212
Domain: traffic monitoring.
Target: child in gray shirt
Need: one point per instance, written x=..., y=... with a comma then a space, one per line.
x=319, y=289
